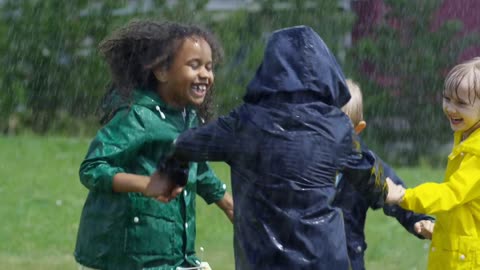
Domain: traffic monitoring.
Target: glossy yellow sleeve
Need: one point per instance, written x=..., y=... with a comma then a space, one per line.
x=462, y=186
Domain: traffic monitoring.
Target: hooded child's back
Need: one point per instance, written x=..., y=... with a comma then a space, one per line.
x=284, y=145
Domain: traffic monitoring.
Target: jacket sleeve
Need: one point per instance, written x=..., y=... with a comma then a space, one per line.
x=364, y=171
x=209, y=187
x=214, y=141
x=461, y=187
x=404, y=217
x=111, y=149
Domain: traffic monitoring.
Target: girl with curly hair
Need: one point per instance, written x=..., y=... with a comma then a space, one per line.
x=162, y=77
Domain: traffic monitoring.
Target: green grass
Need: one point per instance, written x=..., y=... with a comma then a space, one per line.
x=41, y=200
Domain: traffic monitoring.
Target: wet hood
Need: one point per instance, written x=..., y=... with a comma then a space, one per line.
x=297, y=64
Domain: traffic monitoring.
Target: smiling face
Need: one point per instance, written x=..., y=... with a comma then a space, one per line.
x=190, y=75
x=462, y=109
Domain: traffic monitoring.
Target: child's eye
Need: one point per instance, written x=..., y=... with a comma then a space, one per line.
x=194, y=64
x=461, y=102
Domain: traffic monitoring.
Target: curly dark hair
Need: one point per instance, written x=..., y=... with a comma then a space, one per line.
x=133, y=51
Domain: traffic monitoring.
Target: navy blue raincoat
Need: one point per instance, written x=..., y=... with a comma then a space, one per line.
x=285, y=145
x=355, y=207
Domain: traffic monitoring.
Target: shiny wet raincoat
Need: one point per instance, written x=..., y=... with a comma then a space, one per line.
x=127, y=231
x=456, y=204
x=285, y=145
x=355, y=207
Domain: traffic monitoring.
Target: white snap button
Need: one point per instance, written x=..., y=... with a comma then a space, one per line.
x=224, y=186
x=462, y=257
x=185, y=192
x=186, y=225
x=136, y=219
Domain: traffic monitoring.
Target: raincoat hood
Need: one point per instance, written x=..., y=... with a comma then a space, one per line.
x=298, y=66
x=285, y=145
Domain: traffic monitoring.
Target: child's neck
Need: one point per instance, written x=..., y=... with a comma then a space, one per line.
x=468, y=132
x=170, y=100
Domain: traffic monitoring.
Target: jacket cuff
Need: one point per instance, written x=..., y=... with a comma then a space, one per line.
x=405, y=203
x=217, y=195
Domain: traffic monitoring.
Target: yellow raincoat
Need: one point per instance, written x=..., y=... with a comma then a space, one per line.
x=456, y=204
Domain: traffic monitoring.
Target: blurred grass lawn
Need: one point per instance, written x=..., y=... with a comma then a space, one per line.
x=41, y=201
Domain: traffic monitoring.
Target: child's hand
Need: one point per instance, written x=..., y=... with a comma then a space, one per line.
x=424, y=228
x=205, y=266
x=395, y=192
x=162, y=188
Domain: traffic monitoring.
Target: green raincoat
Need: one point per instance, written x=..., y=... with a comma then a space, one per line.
x=128, y=230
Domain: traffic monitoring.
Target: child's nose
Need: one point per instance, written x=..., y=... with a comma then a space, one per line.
x=448, y=108
x=205, y=73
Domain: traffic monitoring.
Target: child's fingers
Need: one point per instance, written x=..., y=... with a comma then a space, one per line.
x=163, y=199
x=424, y=228
x=430, y=226
x=176, y=191
x=205, y=266
x=417, y=227
x=168, y=197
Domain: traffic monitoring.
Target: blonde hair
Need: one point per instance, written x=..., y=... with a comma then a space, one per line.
x=354, y=107
x=466, y=74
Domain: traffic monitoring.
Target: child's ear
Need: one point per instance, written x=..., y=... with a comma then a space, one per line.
x=161, y=74
x=360, y=127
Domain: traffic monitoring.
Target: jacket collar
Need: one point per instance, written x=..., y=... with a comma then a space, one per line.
x=151, y=99
x=469, y=145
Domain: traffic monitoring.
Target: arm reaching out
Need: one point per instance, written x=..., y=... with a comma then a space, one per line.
x=411, y=221
x=395, y=192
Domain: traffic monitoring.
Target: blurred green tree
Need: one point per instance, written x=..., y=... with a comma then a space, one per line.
x=54, y=75
x=244, y=34
x=401, y=68
x=50, y=54
x=53, y=72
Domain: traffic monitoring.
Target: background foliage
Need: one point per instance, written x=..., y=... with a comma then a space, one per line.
x=53, y=77
x=401, y=67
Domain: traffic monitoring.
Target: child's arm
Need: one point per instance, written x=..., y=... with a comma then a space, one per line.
x=214, y=141
x=462, y=187
x=211, y=189
x=114, y=148
x=114, y=145
x=226, y=204
x=408, y=219
x=365, y=172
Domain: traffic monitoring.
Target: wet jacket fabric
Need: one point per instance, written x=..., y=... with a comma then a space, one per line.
x=127, y=230
x=285, y=145
x=355, y=207
x=456, y=205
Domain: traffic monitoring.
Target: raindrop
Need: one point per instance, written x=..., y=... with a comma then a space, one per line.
x=45, y=52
